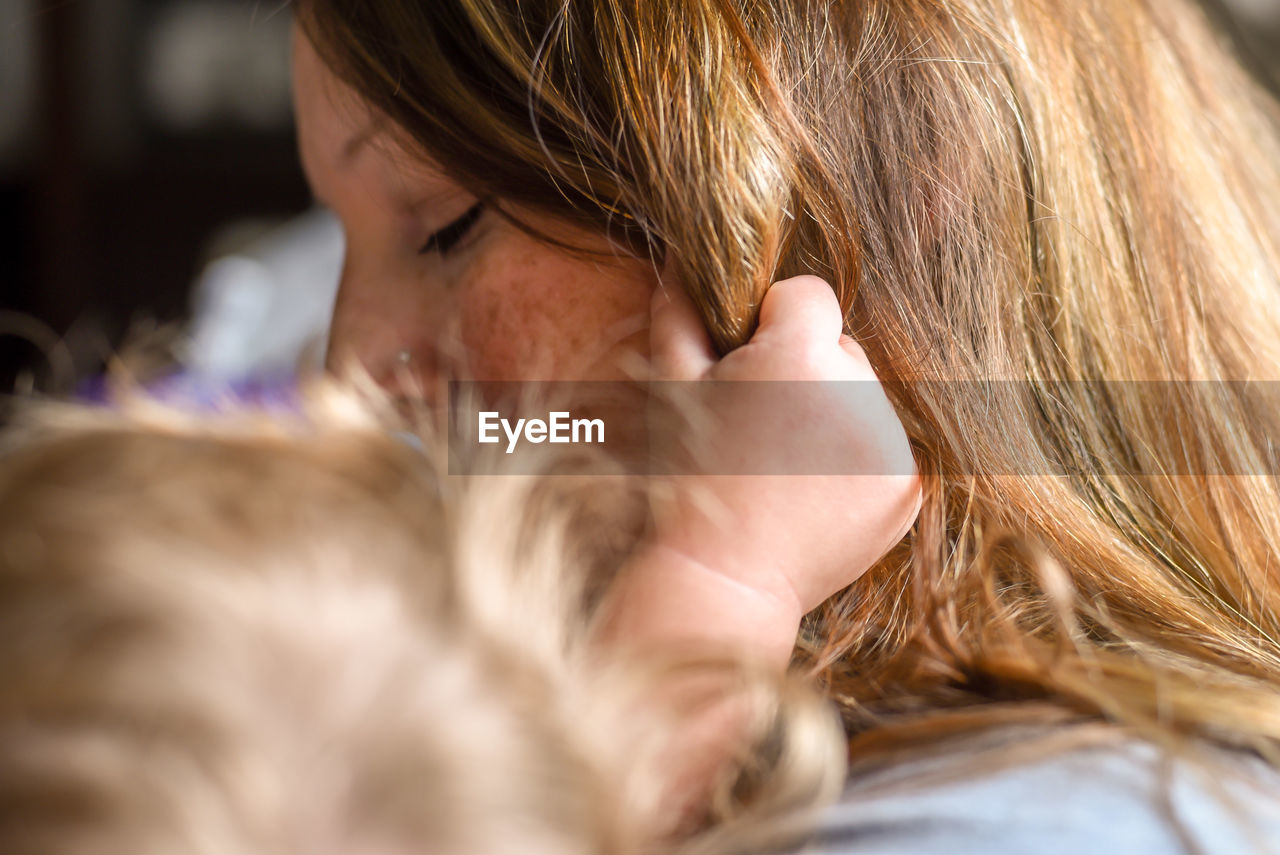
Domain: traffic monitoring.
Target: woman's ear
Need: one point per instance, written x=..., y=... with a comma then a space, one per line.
x=679, y=346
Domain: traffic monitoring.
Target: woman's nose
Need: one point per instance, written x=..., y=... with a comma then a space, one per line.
x=389, y=326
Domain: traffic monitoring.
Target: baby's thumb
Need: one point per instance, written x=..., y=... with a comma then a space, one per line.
x=803, y=308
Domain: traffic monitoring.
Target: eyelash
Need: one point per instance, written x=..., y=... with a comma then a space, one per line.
x=448, y=237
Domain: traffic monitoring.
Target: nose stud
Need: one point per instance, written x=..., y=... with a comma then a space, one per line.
x=403, y=357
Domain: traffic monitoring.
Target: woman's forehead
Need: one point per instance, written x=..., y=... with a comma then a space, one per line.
x=340, y=132
x=329, y=113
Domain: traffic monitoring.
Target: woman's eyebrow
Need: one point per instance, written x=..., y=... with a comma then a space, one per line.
x=361, y=138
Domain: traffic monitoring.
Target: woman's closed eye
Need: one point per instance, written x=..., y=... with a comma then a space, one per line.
x=448, y=237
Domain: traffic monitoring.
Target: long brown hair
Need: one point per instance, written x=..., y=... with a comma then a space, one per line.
x=1048, y=194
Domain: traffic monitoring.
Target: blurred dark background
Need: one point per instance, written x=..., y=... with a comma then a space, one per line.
x=131, y=133
x=137, y=135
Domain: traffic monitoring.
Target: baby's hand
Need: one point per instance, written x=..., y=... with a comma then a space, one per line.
x=737, y=559
x=792, y=534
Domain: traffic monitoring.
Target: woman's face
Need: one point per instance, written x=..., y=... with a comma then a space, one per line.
x=433, y=285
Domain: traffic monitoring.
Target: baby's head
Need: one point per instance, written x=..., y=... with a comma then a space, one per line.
x=237, y=634
x=245, y=635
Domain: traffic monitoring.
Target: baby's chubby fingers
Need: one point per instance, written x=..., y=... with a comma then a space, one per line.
x=815, y=534
x=800, y=309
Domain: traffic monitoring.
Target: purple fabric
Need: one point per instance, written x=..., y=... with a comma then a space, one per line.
x=275, y=393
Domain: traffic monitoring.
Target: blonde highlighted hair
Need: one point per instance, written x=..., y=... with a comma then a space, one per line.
x=998, y=190
x=251, y=632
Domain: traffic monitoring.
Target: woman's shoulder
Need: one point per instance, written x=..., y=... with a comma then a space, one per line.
x=1118, y=795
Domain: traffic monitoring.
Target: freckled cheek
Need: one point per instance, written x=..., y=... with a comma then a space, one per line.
x=534, y=315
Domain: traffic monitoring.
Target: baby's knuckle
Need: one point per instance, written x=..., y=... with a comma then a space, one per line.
x=810, y=360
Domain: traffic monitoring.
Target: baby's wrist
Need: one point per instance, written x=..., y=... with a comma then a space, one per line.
x=666, y=598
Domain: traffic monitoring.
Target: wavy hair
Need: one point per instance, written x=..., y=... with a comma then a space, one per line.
x=249, y=631
x=1028, y=210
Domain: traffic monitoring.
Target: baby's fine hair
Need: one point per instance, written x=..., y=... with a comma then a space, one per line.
x=250, y=633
